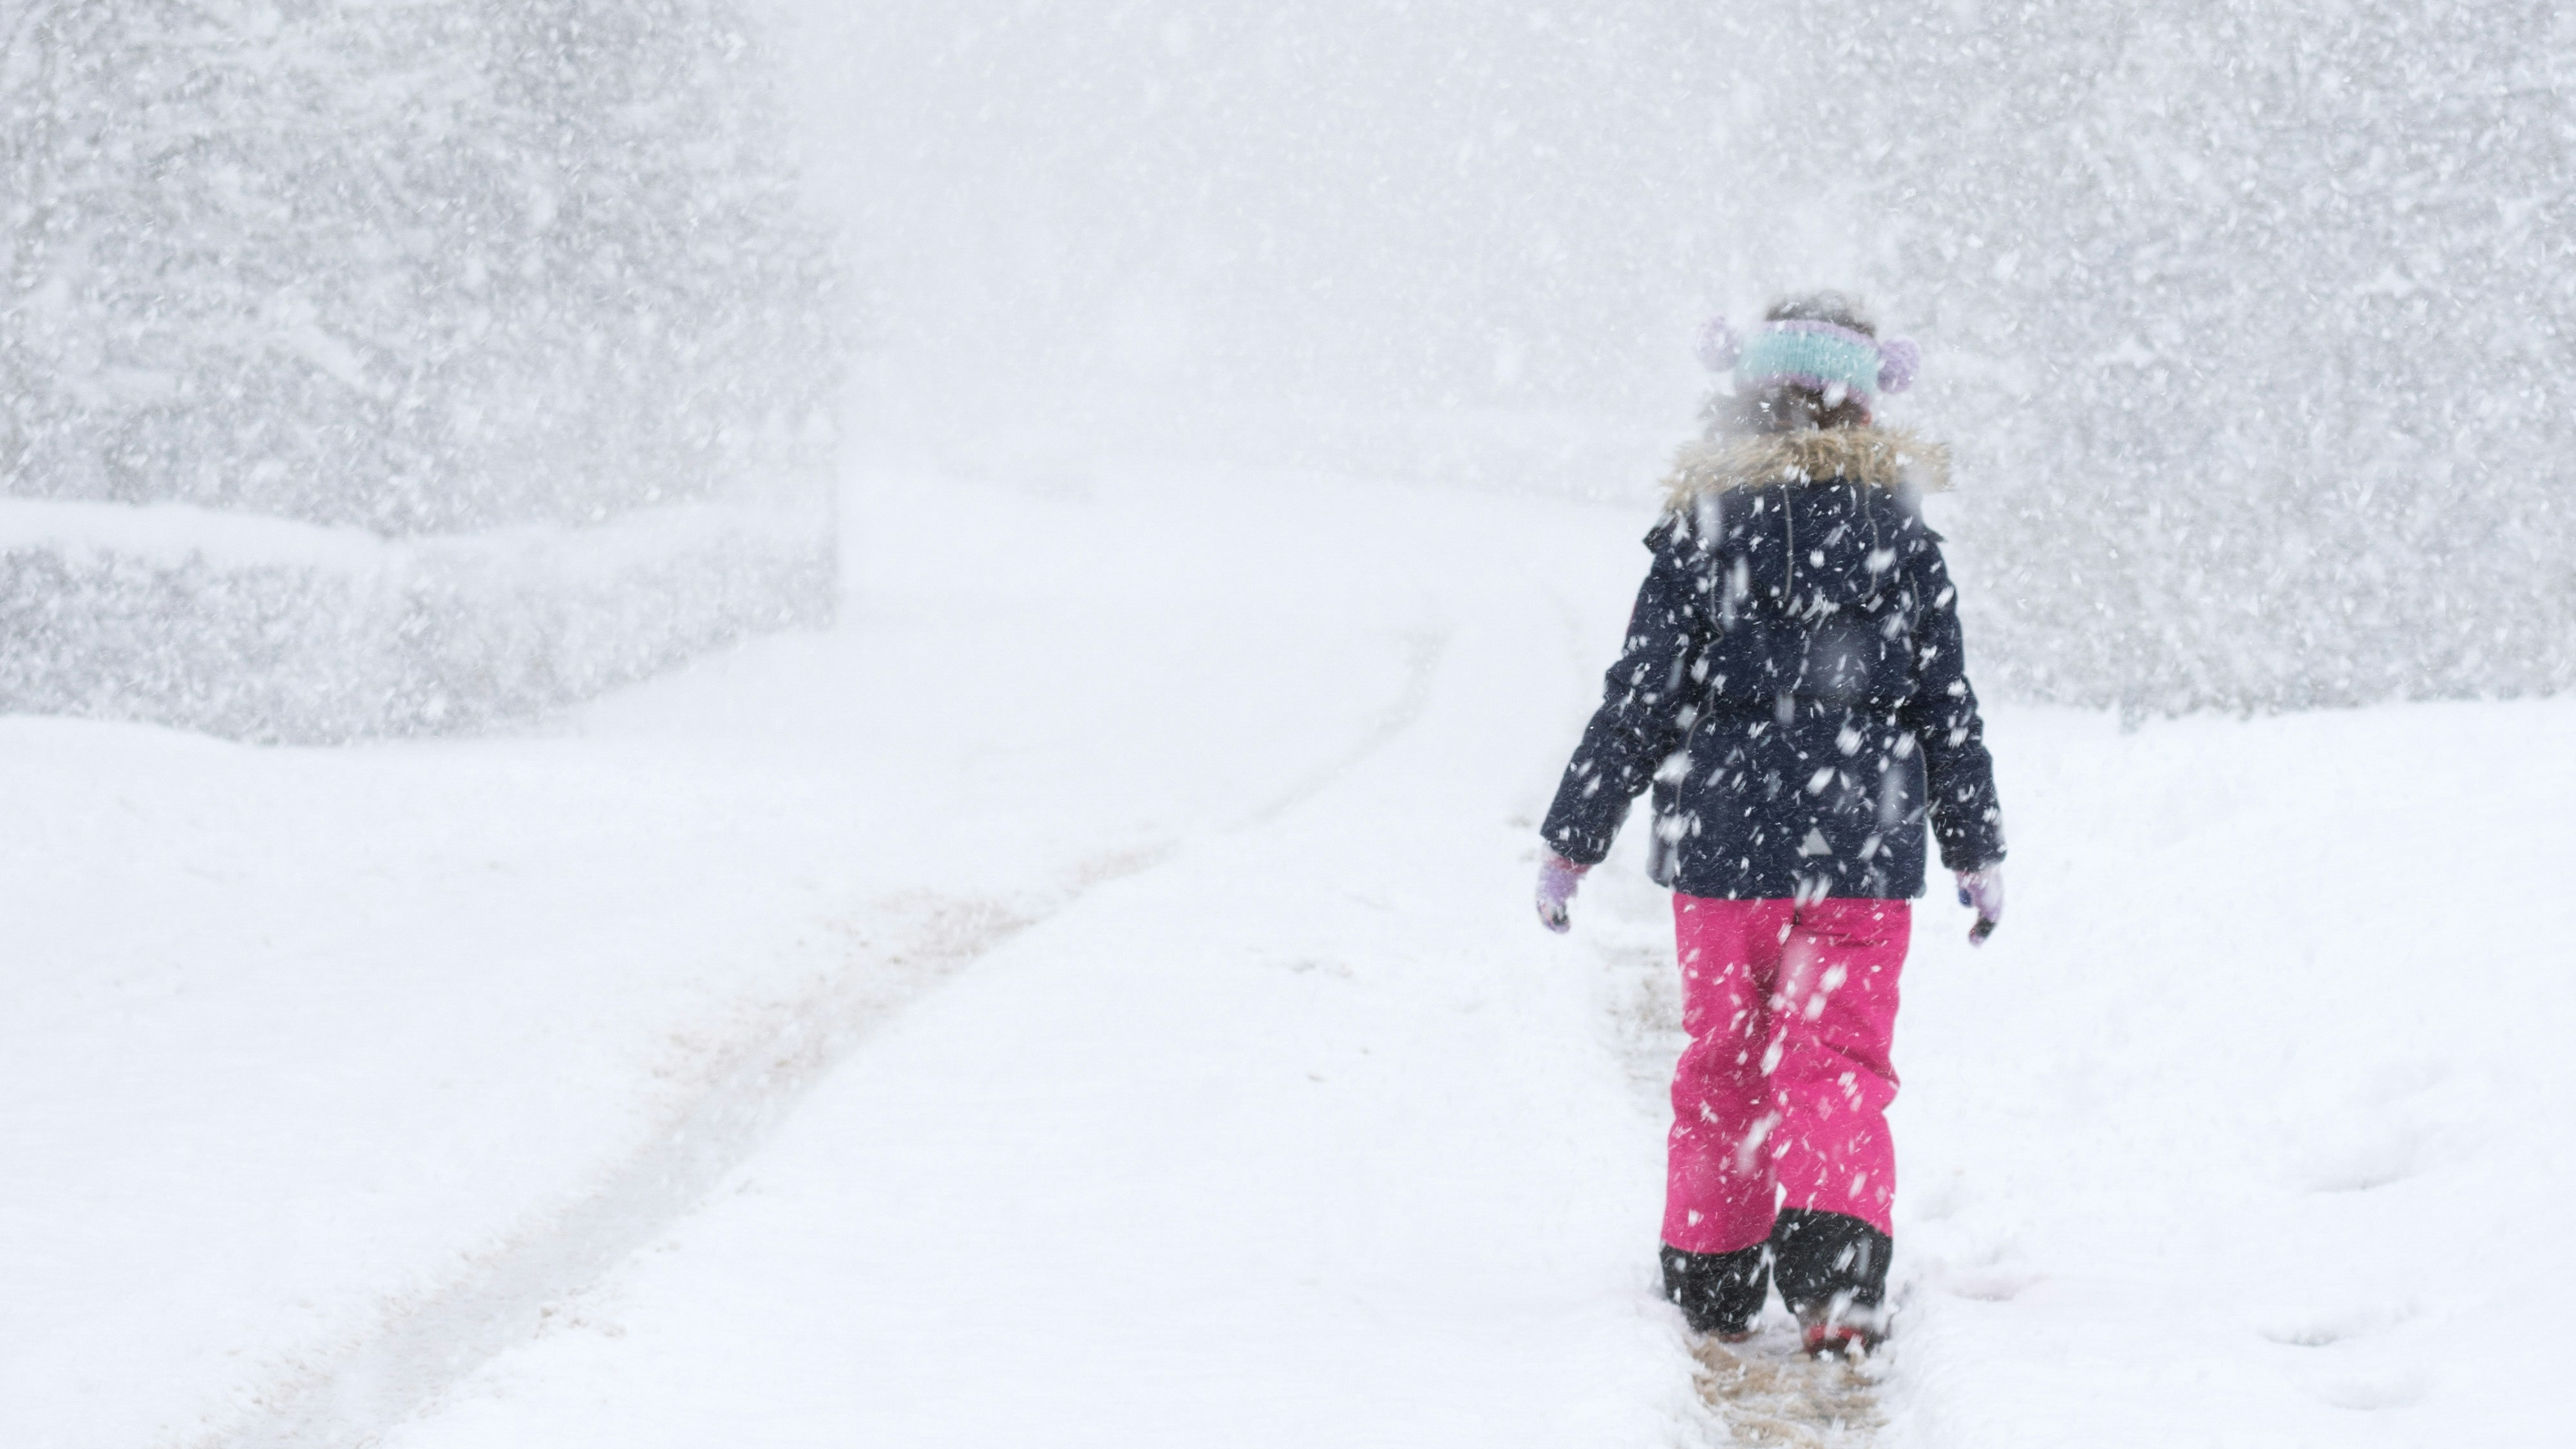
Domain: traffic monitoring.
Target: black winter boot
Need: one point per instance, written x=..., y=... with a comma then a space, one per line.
x=1833, y=1275
x=1720, y=1293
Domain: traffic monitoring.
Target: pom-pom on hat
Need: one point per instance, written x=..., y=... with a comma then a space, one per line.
x=1813, y=353
x=1718, y=345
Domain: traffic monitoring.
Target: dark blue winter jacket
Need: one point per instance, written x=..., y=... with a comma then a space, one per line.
x=1792, y=683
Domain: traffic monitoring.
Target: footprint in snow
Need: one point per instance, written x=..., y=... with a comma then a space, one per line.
x=2362, y=1166
x=1989, y=1287
x=2323, y=1328
x=2395, y=1390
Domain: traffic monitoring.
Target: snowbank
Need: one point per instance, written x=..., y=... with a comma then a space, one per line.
x=269, y=629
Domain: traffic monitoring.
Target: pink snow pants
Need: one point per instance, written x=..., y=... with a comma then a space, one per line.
x=1780, y=1099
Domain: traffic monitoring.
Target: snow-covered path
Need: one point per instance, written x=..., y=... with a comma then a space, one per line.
x=1304, y=1136
x=1090, y=997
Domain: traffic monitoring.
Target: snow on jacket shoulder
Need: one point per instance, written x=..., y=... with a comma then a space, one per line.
x=1792, y=681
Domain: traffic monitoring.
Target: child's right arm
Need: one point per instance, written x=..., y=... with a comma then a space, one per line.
x=1639, y=722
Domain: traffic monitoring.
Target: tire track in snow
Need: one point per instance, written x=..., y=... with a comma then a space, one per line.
x=1422, y=655
x=429, y=1343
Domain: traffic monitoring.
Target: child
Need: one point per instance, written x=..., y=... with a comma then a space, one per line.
x=1793, y=689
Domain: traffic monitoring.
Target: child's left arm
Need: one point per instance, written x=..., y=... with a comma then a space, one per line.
x=1942, y=715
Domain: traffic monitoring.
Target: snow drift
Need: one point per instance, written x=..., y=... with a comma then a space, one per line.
x=499, y=318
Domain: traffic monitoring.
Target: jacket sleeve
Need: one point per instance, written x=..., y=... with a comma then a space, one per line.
x=1967, y=819
x=1645, y=712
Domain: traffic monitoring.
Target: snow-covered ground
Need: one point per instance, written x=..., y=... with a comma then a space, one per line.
x=1090, y=996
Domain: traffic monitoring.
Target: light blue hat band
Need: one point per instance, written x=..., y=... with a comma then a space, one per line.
x=1814, y=354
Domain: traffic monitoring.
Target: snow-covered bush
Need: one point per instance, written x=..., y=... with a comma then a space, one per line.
x=439, y=279
x=2253, y=322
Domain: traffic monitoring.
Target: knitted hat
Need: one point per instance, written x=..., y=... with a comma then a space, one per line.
x=1826, y=357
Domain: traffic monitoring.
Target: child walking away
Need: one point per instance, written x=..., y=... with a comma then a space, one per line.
x=1792, y=688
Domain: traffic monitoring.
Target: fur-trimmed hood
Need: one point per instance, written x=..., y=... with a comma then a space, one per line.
x=1887, y=457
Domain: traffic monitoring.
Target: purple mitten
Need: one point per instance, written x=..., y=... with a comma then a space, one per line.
x=1983, y=888
x=1558, y=879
